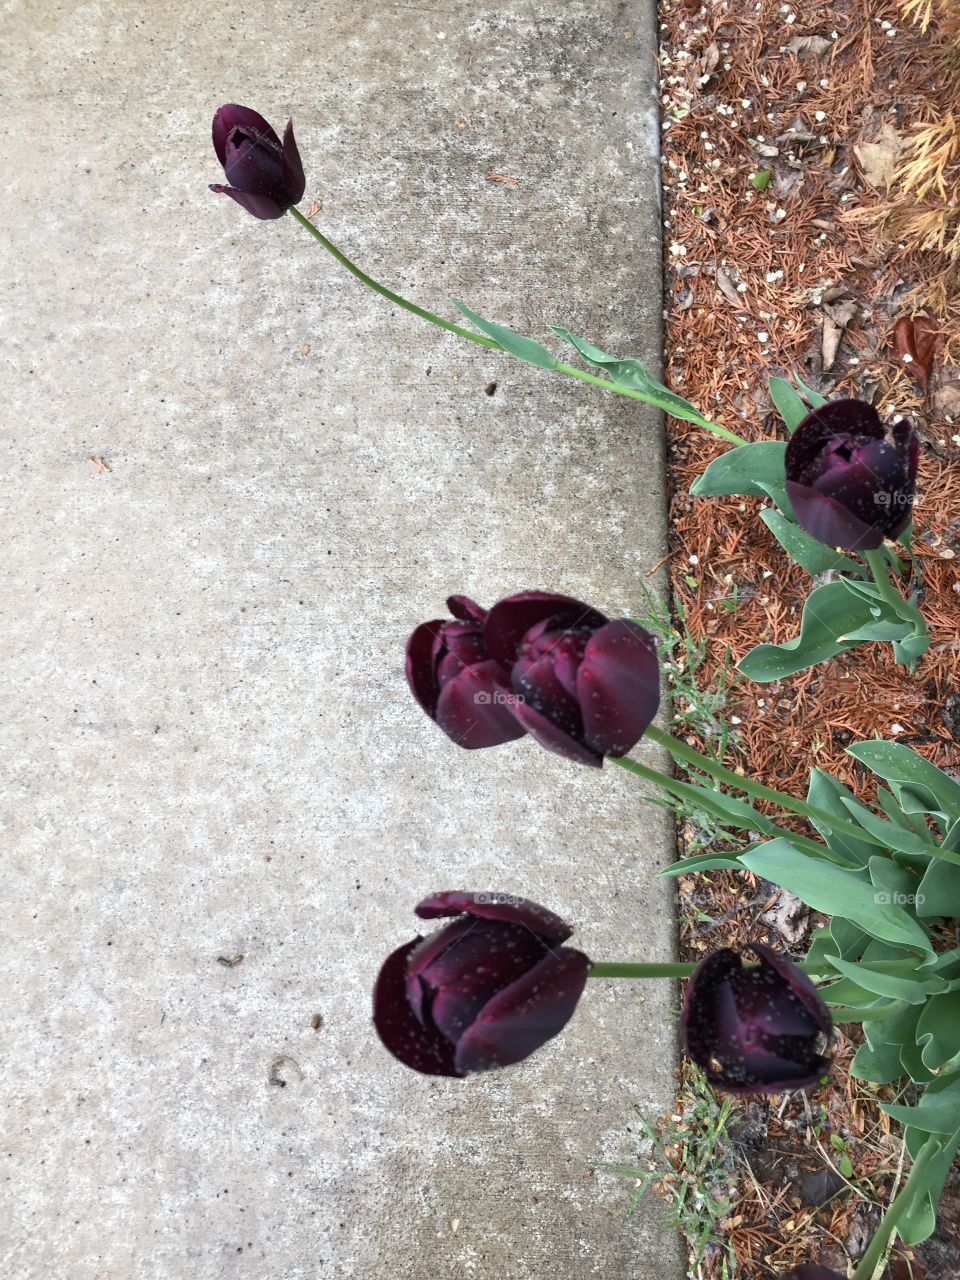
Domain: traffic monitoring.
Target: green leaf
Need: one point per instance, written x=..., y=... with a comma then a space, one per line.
x=699, y=862
x=829, y=615
x=813, y=398
x=807, y=551
x=749, y=469
x=902, y=767
x=632, y=373
x=837, y=1142
x=513, y=343
x=892, y=835
x=890, y=978
x=826, y=792
x=938, y=1032
x=788, y=404
x=761, y=179
x=845, y=1167
x=836, y=892
x=938, y=893
x=935, y=1112
x=920, y=1219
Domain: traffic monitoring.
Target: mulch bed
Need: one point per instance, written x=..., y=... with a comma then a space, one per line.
x=854, y=113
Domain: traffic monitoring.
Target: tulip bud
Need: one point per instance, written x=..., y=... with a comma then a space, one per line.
x=584, y=686
x=852, y=481
x=762, y=1030
x=484, y=991
x=264, y=175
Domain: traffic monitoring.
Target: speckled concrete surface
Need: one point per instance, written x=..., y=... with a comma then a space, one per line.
x=208, y=749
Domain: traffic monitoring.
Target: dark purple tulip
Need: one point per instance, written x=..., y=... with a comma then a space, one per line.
x=761, y=1030
x=484, y=991
x=264, y=175
x=584, y=686
x=810, y=1271
x=850, y=479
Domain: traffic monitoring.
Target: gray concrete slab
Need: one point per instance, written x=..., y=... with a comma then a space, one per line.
x=208, y=746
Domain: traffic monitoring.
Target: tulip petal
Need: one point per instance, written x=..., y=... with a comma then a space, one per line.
x=294, y=181
x=554, y=738
x=421, y=673
x=476, y=708
x=618, y=687
x=824, y=518
x=263, y=207
x=526, y=1014
x=233, y=116
x=496, y=906
x=416, y=1046
x=465, y=609
x=423, y=955
x=253, y=167
x=488, y=957
x=509, y=620
x=538, y=683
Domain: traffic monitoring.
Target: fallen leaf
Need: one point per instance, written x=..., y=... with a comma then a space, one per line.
x=878, y=159
x=313, y=209
x=502, y=177
x=809, y=46
x=829, y=341
x=100, y=464
x=711, y=58
x=946, y=400
x=726, y=284
x=914, y=343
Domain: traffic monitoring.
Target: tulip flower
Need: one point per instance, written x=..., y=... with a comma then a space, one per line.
x=582, y=685
x=852, y=481
x=810, y=1271
x=484, y=991
x=763, y=1029
x=263, y=174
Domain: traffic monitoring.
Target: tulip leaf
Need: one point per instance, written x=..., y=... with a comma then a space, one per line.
x=514, y=344
x=808, y=552
x=935, y=1112
x=788, y=404
x=836, y=892
x=891, y=833
x=920, y=1219
x=752, y=469
x=911, y=776
x=938, y=1031
x=879, y=1065
x=829, y=615
x=826, y=792
x=632, y=373
x=813, y=398
x=939, y=891
x=699, y=862
x=896, y=979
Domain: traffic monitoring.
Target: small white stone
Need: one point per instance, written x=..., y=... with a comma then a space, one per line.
x=820, y=115
x=764, y=337
x=907, y=358
x=896, y=728
x=693, y=559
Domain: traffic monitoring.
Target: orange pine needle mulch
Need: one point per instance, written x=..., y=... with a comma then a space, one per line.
x=811, y=186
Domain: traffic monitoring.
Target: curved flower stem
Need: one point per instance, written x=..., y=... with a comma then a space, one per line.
x=388, y=293
x=480, y=339
x=603, y=970
x=876, y=1249
x=680, y=751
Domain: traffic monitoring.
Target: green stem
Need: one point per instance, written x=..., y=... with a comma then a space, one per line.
x=602, y=970
x=481, y=339
x=680, y=751
x=881, y=576
x=388, y=293
x=670, y=785
x=891, y=596
x=877, y=1247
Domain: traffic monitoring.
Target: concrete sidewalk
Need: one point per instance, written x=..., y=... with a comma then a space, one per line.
x=208, y=748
